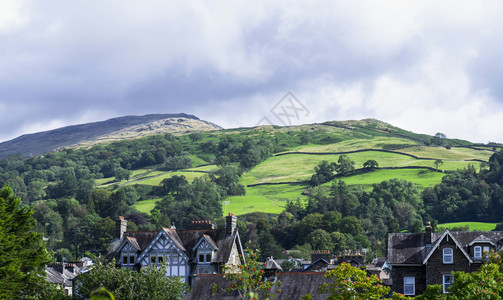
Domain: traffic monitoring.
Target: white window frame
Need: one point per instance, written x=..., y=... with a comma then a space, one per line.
x=477, y=252
x=205, y=253
x=129, y=257
x=446, y=282
x=409, y=285
x=448, y=258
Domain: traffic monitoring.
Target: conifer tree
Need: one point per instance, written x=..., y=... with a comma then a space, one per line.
x=22, y=252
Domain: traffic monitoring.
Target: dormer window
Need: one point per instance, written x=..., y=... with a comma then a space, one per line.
x=128, y=258
x=205, y=248
x=477, y=252
x=205, y=255
x=448, y=257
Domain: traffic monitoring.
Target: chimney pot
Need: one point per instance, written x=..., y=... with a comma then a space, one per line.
x=428, y=230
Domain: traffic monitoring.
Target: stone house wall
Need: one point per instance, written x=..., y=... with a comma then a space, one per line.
x=399, y=272
x=435, y=266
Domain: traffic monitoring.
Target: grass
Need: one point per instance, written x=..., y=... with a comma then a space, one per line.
x=146, y=206
x=422, y=178
x=203, y=168
x=156, y=178
x=197, y=161
x=300, y=167
x=451, y=154
x=473, y=226
x=267, y=198
x=356, y=144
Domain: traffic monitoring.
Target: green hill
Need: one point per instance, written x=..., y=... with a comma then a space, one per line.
x=284, y=176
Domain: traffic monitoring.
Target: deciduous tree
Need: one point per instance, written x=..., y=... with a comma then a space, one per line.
x=349, y=282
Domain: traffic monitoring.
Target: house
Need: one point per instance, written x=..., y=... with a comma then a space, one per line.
x=199, y=249
x=421, y=259
x=294, y=285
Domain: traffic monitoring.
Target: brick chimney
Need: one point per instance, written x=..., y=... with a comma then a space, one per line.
x=201, y=225
x=230, y=224
x=120, y=227
x=428, y=233
x=317, y=254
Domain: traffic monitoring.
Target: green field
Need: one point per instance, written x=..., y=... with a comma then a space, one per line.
x=266, y=198
x=357, y=144
x=422, y=178
x=156, y=179
x=448, y=154
x=146, y=206
x=296, y=169
x=300, y=167
x=474, y=226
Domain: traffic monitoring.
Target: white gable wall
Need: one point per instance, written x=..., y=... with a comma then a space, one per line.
x=163, y=249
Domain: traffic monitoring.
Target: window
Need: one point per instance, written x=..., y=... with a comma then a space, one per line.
x=153, y=259
x=205, y=255
x=446, y=282
x=160, y=259
x=175, y=258
x=409, y=287
x=477, y=252
x=448, y=256
x=131, y=259
x=124, y=259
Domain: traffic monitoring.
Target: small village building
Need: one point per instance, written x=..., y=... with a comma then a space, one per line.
x=199, y=249
x=421, y=259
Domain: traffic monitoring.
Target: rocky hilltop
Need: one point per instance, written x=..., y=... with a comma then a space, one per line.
x=126, y=127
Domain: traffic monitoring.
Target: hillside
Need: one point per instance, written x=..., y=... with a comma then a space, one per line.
x=263, y=174
x=126, y=127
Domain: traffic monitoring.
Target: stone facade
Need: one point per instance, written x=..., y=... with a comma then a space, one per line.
x=428, y=258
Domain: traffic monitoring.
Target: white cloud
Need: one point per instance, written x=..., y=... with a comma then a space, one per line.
x=427, y=66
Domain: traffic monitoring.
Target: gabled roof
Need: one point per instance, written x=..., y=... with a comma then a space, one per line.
x=168, y=233
x=482, y=239
x=133, y=243
x=319, y=262
x=208, y=239
x=411, y=248
x=407, y=248
x=174, y=237
x=271, y=264
x=184, y=240
x=447, y=233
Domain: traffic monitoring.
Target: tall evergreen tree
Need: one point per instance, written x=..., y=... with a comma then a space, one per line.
x=22, y=251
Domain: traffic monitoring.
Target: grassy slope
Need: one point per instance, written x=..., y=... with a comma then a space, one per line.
x=327, y=137
x=474, y=226
x=300, y=167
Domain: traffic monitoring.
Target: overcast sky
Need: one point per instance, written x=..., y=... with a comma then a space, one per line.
x=425, y=66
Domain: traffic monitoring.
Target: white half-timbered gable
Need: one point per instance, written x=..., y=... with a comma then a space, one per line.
x=163, y=249
x=201, y=249
x=205, y=250
x=128, y=253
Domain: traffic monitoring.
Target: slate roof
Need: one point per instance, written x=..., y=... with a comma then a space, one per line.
x=185, y=240
x=294, y=286
x=410, y=248
x=55, y=276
